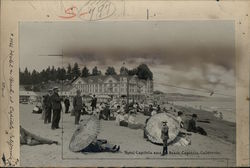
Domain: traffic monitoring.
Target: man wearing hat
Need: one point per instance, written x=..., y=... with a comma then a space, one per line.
x=56, y=107
x=48, y=106
x=67, y=104
x=164, y=137
x=77, y=104
x=192, y=124
x=93, y=103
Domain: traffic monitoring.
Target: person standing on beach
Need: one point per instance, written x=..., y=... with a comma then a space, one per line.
x=164, y=137
x=158, y=108
x=67, y=104
x=77, y=104
x=48, y=107
x=93, y=103
x=56, y=107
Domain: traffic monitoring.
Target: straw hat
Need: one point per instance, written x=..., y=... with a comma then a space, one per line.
x=55, y=88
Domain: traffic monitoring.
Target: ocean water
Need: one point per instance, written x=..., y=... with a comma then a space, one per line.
x=227, y=108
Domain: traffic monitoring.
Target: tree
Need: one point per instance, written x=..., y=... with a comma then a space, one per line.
x=61, y=73
x=85, y=72
x=76, y=71
x=52, y=74
x=48, y=71
x=44, y=75
x=143, y=72
x=132, y=72
x=96, y=72
x=26, y=77
x=28, y=88
x=21, y=77
x=123, y=70
x=34, y=77
x=110, y=71
x=69, y=72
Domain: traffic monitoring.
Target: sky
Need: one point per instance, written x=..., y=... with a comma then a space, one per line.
x=185, y=54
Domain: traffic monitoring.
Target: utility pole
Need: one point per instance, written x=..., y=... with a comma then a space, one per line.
x=127, y=90
x=127, y=75
x=61, y=56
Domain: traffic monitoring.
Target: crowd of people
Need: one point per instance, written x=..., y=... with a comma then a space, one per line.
x=52, y=108
x=122, y=113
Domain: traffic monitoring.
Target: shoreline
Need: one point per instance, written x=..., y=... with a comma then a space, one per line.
x=227, y=114
x=218, y=128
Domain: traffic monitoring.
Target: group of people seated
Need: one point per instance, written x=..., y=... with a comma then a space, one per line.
x=127, y=119
x=125, y=115
x=190, y=124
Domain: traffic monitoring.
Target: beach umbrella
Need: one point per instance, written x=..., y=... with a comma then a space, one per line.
x=85, y=133
x=154, y=125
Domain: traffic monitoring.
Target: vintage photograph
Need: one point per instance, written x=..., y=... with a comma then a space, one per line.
x=122, y=91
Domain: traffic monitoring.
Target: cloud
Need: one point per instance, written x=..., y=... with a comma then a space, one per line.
x=180, y=57
x=198, y=54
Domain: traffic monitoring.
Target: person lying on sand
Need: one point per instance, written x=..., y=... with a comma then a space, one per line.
x=100, y=145
x=27, y=138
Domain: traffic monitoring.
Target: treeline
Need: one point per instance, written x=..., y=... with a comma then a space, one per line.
x=57, y=74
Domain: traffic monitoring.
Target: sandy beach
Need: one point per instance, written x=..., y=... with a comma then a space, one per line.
x=216, y=149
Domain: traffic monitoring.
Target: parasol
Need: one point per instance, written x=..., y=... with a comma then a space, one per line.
x=154, y=125
x=85, y=133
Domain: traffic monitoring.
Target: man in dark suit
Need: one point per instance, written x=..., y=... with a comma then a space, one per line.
x=56, y=107
x=164, y=137
x=77, y=104
x=48, y=106
x=67, y=104
x=192, y=124
x=93, y=103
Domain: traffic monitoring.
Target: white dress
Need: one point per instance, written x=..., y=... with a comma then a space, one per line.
x=118, y=119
